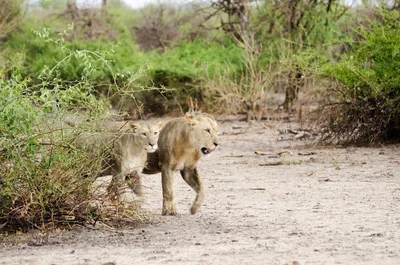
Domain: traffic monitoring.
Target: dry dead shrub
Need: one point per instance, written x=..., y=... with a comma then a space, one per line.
x=162, y=25
x=10, y=15
x=239, y=94
x=156, y=32
x=354, y=121
x=90, y=23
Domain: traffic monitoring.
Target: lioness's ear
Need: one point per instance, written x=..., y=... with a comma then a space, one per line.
x=190, y=119
x=159, y=124
x=134, y=126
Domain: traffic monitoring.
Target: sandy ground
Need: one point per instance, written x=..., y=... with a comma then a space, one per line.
x=337, y=206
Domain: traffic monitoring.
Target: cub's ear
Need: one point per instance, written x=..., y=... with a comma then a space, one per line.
x=190, y=119
x=134, y=126
x=159, y=124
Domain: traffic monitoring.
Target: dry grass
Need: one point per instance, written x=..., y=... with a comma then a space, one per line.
x=239, y=93
x=10, y=16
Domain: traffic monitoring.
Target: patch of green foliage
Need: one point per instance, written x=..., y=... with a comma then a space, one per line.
x=44, y=178
x=176, y=69
x=179, y=69
x=39, y=53
x=198, y=59
x=368, y=103
x=41, y=172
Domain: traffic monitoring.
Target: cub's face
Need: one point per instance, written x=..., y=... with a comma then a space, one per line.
x=147, y=135
x=204, y=134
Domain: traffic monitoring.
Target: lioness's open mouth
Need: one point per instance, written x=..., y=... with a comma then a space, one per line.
x=205, y=151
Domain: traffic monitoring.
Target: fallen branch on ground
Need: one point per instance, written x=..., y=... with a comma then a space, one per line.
x=260, y=153
x=307, y=153
x=277, y=163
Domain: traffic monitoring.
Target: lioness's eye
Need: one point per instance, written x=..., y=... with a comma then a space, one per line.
x=155, y=133
x=208, y=130
x=144, y=134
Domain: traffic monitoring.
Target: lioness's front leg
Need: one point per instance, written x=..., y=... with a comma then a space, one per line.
x=168, y=193
x=134, y=181
x=191, y=176
x=119, y=189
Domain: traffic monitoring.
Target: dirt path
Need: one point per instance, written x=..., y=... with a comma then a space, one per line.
x=339, y=206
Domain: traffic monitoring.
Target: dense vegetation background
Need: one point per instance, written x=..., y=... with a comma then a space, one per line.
x=333, y=63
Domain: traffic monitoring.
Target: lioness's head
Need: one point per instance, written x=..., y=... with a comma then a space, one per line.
x=146, y=135
x=204, y=131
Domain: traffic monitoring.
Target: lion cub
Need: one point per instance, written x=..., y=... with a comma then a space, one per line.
x=181, y=143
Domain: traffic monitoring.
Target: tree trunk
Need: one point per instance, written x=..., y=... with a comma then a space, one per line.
x=243, y=18
x=292, y=90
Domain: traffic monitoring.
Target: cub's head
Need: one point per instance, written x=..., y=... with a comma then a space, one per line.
x=204, y=132
x=146, y=135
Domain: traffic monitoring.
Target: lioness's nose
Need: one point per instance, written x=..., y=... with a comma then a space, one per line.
x=151, y=144
x=216, y=144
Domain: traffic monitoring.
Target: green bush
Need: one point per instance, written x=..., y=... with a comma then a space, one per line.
x=367, y=106
x=44, y=178
x=198, y=59
x=179, y=69
x=39, y=53
x=41, y=171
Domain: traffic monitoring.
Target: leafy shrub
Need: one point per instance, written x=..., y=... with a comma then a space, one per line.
x=39, y=53
x=366, y=108
x=198, y=58
x=42, y=173
x=44, y=178
x=179, y=69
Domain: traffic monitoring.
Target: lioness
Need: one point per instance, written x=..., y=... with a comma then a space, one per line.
x=181, y=143
x=127, y=145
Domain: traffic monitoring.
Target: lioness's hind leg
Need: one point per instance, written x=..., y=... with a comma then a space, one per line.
x=168, y=193
x=192, y=177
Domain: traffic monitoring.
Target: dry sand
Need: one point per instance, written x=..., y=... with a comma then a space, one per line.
x=337, y=206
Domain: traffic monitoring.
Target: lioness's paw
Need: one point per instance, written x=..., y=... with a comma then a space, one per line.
x=169, y=210
x=166, y=212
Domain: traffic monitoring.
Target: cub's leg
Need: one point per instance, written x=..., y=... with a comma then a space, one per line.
x=191, y=176
x=168, y=193
x=134, y=181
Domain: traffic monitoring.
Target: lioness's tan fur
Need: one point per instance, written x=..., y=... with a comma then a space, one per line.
x=181, y=143
x=127, y=145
